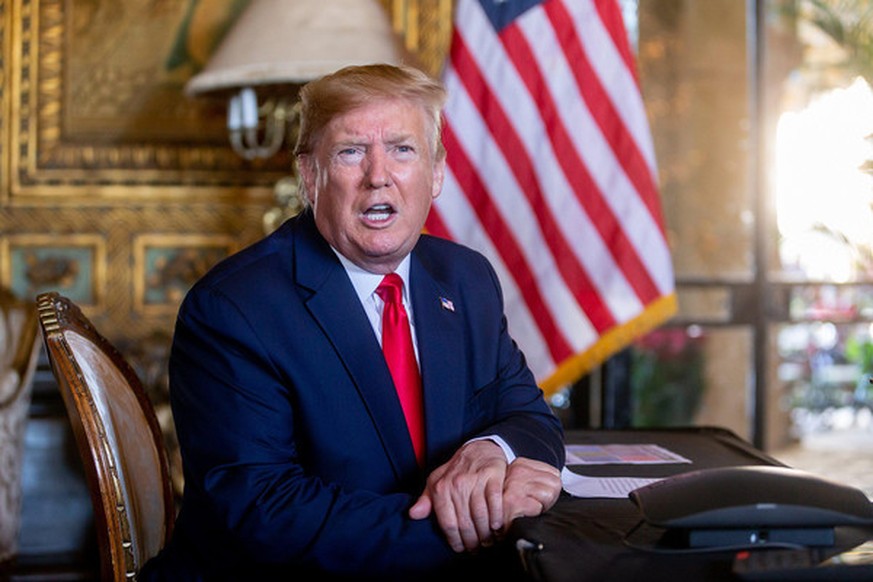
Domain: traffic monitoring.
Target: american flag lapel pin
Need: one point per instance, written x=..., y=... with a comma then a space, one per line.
x=447, y=304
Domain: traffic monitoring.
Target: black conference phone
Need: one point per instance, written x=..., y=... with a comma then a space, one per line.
x=752, y=506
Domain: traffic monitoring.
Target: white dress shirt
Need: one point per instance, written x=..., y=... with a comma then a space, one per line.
x=365, y=284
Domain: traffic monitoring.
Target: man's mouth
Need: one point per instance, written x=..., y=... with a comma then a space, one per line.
x=379, y=212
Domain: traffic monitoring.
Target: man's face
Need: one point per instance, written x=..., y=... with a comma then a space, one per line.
x=371, y=179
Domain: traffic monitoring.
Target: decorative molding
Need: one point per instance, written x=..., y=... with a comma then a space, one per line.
x=426, y=29
x=4, y=99
x=95, y=106
x=109, y=125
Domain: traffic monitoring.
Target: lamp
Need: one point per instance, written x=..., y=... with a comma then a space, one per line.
x=274, y=47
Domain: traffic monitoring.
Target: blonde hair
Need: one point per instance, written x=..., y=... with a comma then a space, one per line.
x=338, y=93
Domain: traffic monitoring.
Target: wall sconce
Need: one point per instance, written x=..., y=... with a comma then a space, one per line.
x=276, y=46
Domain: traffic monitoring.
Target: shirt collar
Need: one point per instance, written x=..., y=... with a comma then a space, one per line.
x=365, y=282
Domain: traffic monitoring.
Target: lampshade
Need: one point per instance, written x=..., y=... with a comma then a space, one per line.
x=294, y=41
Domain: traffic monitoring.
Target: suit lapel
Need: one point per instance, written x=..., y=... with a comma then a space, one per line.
x=439, y=333
x=335, y=306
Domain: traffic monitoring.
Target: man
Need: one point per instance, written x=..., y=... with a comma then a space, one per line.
x=297, y=452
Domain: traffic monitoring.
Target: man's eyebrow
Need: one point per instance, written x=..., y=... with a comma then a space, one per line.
x=400, y=138
x=365, y=141
x=349, y=142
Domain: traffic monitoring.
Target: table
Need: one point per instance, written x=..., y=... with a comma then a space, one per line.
x=585, y=539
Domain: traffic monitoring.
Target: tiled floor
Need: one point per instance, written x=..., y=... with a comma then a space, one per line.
x=844, y=455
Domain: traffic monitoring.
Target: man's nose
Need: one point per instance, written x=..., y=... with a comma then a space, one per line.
x=378, y=175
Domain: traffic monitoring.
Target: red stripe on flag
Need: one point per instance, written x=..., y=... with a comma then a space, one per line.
x=507, y=139
x=506, y=245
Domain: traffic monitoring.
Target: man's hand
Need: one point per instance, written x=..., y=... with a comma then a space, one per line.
x=476, y=495
x=466, y=494
x=530, y=488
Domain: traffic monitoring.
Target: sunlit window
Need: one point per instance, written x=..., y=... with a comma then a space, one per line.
x=823, y=195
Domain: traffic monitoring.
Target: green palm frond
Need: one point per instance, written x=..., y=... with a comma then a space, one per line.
x=850, y=24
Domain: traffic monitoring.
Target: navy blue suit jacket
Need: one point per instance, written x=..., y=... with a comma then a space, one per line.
x=295, y=449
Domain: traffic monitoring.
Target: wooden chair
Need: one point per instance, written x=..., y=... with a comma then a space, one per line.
x=19, y=348
x=118, y=438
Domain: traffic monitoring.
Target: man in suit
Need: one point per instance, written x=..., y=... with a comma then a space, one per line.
x=297, y=451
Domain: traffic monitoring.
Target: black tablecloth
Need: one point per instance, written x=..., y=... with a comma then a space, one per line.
x=605, y=539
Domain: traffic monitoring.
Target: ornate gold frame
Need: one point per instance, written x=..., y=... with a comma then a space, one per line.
x=143, y=269
x=46, y=161
x=5, y=51
x=95, y=244
x=426, y=28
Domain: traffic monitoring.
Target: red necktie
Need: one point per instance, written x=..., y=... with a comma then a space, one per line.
x=400, y=356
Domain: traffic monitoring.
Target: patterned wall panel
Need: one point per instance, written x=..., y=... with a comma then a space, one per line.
x=96, y=254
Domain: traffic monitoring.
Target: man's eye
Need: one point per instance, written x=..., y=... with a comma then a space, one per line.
x=349, y=155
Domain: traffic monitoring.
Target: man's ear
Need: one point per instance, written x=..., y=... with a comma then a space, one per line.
x=439, y=174
x=306, y=168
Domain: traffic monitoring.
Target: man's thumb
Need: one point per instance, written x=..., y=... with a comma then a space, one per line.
x=421, y=508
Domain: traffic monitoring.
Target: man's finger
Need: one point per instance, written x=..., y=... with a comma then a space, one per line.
x=531, y=487
x=494, y=498
x=462, y=491
x=422, y=507
x=481, y=505
x=447, y=518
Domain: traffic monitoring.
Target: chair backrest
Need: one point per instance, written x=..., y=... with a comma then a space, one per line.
x=118, y=437
x=19, y=348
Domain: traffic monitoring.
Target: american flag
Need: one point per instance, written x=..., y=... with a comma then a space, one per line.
x=551, y=174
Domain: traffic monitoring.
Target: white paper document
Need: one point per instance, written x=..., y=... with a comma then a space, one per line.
x=610, y=487
x=642, y=454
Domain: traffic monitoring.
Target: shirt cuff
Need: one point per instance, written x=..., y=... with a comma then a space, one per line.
x=507, y=450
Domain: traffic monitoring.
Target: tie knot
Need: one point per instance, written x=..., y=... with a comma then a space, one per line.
x=391, y=288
